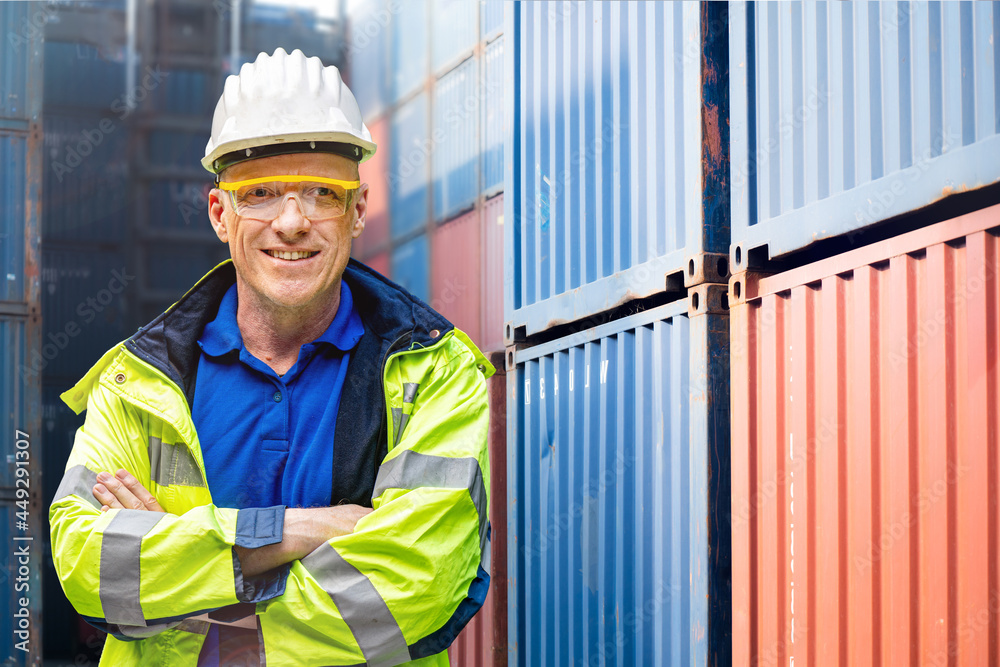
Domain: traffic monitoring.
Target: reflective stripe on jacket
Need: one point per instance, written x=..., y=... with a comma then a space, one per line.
x=397, y=589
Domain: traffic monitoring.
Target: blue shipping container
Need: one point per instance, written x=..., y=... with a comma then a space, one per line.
x=13, y=151
x=492, y=142
x=408, y=46
x=18, y=25
x=617, y=141
x=81, y=76
x=176, y=267
x=86, y=299
x=411, y=266
x=456, y=111
x=847, y=114
x=618, y=512
x=408, y=172
x=87, y=194
x=454, y=31
x=366, y=53
x=173, y=148
x=180, y=205
x=491, y=12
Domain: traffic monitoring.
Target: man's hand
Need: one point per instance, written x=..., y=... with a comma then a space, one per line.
x=123, y=491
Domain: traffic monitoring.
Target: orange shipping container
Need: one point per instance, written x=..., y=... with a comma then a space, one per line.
x=492, y=299
x=374, y=172
x=865, y=476
x=455, y=273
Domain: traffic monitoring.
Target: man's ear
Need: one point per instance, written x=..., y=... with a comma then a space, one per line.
x=216, y=209
x=360, y=205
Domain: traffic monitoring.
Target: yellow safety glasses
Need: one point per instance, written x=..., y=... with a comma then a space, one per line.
x=318, y=197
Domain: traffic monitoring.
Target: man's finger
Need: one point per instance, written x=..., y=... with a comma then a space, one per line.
x=120, y=496
x=139, y=491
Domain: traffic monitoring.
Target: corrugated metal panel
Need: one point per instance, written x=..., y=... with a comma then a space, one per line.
x=618, y=509
x=375, y=173
x=456, y=273
x=408, y=175
x=86, y=299
x=454, y=133
x=492, y=16
x=180, y=205
x=846, y=114
x=86, y=188
x=618, y=151
x=13, y=149
x=367, y=53
x=409, y=266
x=492, y=145
x=866, y=394
x=454, y=30
x=408, y=47
x=175, y=267
x=186, y=92
x=14, y=19
x=382, y=263
x=483, y=643
x=172, y=148
x=14, y=369
x=492, y=298
x=82, y=76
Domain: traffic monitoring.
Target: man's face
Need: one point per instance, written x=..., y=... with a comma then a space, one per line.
x=276, y=283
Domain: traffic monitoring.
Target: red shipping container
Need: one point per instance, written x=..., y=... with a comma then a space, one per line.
x=492, y=289
x=865, y=476
x=382, y=263
x=375, y=172
x=483, y=643
x=455, y=273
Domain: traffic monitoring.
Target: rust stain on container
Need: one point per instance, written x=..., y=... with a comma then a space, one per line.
x=865, y=403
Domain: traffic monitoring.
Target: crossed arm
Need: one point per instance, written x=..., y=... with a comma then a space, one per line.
x=304, y=529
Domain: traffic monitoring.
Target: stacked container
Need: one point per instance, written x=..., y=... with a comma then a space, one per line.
x=428, y=76
x=22, y=516
x=617, y=326
x=864, y=334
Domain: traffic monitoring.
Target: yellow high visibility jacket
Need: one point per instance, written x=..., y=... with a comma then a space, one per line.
x=413, y=412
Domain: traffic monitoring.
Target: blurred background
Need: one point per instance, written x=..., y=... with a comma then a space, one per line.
x=129, y=91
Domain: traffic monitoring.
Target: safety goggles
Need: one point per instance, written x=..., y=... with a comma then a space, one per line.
x=318, y=198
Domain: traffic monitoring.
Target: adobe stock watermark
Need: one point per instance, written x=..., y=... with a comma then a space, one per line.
x=87, y=310
x=33, y=26
x=122, y=106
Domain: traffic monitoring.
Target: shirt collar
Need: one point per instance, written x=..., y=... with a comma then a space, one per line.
x=222, y=335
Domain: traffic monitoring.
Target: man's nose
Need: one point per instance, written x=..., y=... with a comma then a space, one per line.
x=290, y=220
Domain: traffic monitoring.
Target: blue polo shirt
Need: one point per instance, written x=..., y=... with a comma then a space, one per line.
x=268, y=439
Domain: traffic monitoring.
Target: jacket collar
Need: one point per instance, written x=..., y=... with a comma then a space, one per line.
x=389, y=313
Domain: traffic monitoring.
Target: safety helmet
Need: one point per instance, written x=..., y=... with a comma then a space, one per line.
x=285, y=103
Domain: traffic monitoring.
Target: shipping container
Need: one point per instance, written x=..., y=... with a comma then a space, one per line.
x=408, y=47
x=87, y=295
x=618, y=149
x=86, y=178
x=180, y=205
x=492, y=118
x=381, y=262
x=491, y=13
x=13, y=151
x=455, y=134
x=412, y=147
x=491, y=331
x=483, y=643
x=187, y=92
x=456, y=273
x=453, y=31
x=409, y=266
x=22, y=523
x=375, y=172
x=173, y=268
x=617, y=506
x=367, y=52
x=176, y=148
x=847, y=114
x=864, y=514
x=83, y=76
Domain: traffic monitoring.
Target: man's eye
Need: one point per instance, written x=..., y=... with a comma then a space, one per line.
x=258, y=192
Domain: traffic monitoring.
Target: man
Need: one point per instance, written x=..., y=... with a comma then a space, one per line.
x=288, y=466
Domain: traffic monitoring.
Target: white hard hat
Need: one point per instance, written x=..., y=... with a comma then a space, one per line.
x=285, y=103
